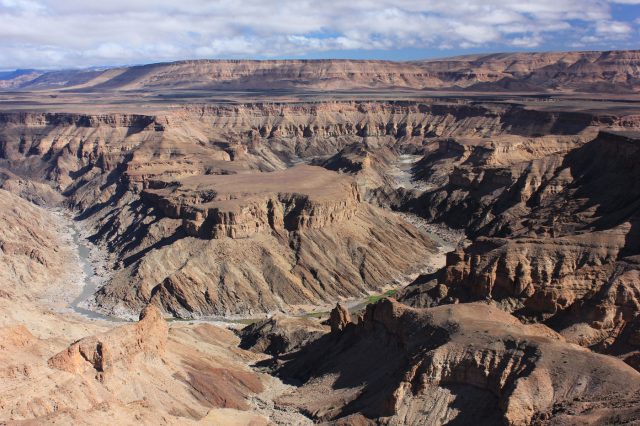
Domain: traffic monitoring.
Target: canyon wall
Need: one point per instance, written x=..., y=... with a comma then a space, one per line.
x=467, y=363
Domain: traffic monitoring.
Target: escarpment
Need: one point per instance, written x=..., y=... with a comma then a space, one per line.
x=475, y=358
x=612, y=71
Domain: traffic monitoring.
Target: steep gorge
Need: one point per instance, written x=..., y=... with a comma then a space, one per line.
x=159, y=193
x=215, y=205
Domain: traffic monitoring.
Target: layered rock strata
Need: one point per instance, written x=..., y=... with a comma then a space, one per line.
x=237, y=206
x=149, y=184
x=612, y=71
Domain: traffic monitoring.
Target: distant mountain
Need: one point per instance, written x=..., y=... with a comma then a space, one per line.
x=17, y=78
x=611, y=71
x=10, y=75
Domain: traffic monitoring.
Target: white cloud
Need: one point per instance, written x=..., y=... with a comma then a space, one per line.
x=527, y=42
x=59, y=33
x=613, y=29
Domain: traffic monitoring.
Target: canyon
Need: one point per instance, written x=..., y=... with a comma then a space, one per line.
x=475, y=220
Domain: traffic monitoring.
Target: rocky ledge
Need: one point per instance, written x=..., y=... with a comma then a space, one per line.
x=237, y=206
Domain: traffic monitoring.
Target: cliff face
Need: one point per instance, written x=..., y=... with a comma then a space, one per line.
x=212, y=140
x=238, y=206
x=613, y=71
x=246, y=209
x=198, y=216
x=59, y=367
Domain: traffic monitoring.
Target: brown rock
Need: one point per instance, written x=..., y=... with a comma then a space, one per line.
x=281, y=334
x=580, y=71
x=339, y=318
x=148, y=337
x=495, y=368
x=540, y=245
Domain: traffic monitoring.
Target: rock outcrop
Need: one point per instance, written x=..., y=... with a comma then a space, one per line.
x=147, y=338
x=241, y=207
x=57, y=366
x=238, y=206
x=149, y=183
x=339, y=317
x=157, y=189
x=556, y=234
x=475, y=358
x=281, y=334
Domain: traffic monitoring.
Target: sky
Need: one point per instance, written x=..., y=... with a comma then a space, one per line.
x=49, y=34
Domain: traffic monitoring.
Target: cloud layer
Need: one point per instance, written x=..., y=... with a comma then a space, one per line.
x=67, y=33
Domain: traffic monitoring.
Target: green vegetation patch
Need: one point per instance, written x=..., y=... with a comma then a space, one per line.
x=378, y=297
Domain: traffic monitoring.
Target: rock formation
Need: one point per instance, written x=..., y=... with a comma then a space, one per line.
x=59, y=367
x=216, y=202
x=238, y=206
x=339, y=317
x=556, y=238
x=458, y=363
x=148, y=338
x=281, y=334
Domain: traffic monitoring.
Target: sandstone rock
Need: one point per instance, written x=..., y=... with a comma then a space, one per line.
x=147, y=338
x=339, y=318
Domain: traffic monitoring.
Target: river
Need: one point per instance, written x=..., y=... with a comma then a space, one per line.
x=90, y=280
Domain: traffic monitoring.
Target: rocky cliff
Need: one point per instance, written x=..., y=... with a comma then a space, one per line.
x=242, y=208
x=181, y=197
x=60, y=367
x=237, y=206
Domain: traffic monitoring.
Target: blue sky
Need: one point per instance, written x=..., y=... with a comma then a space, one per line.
x=81, y=33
